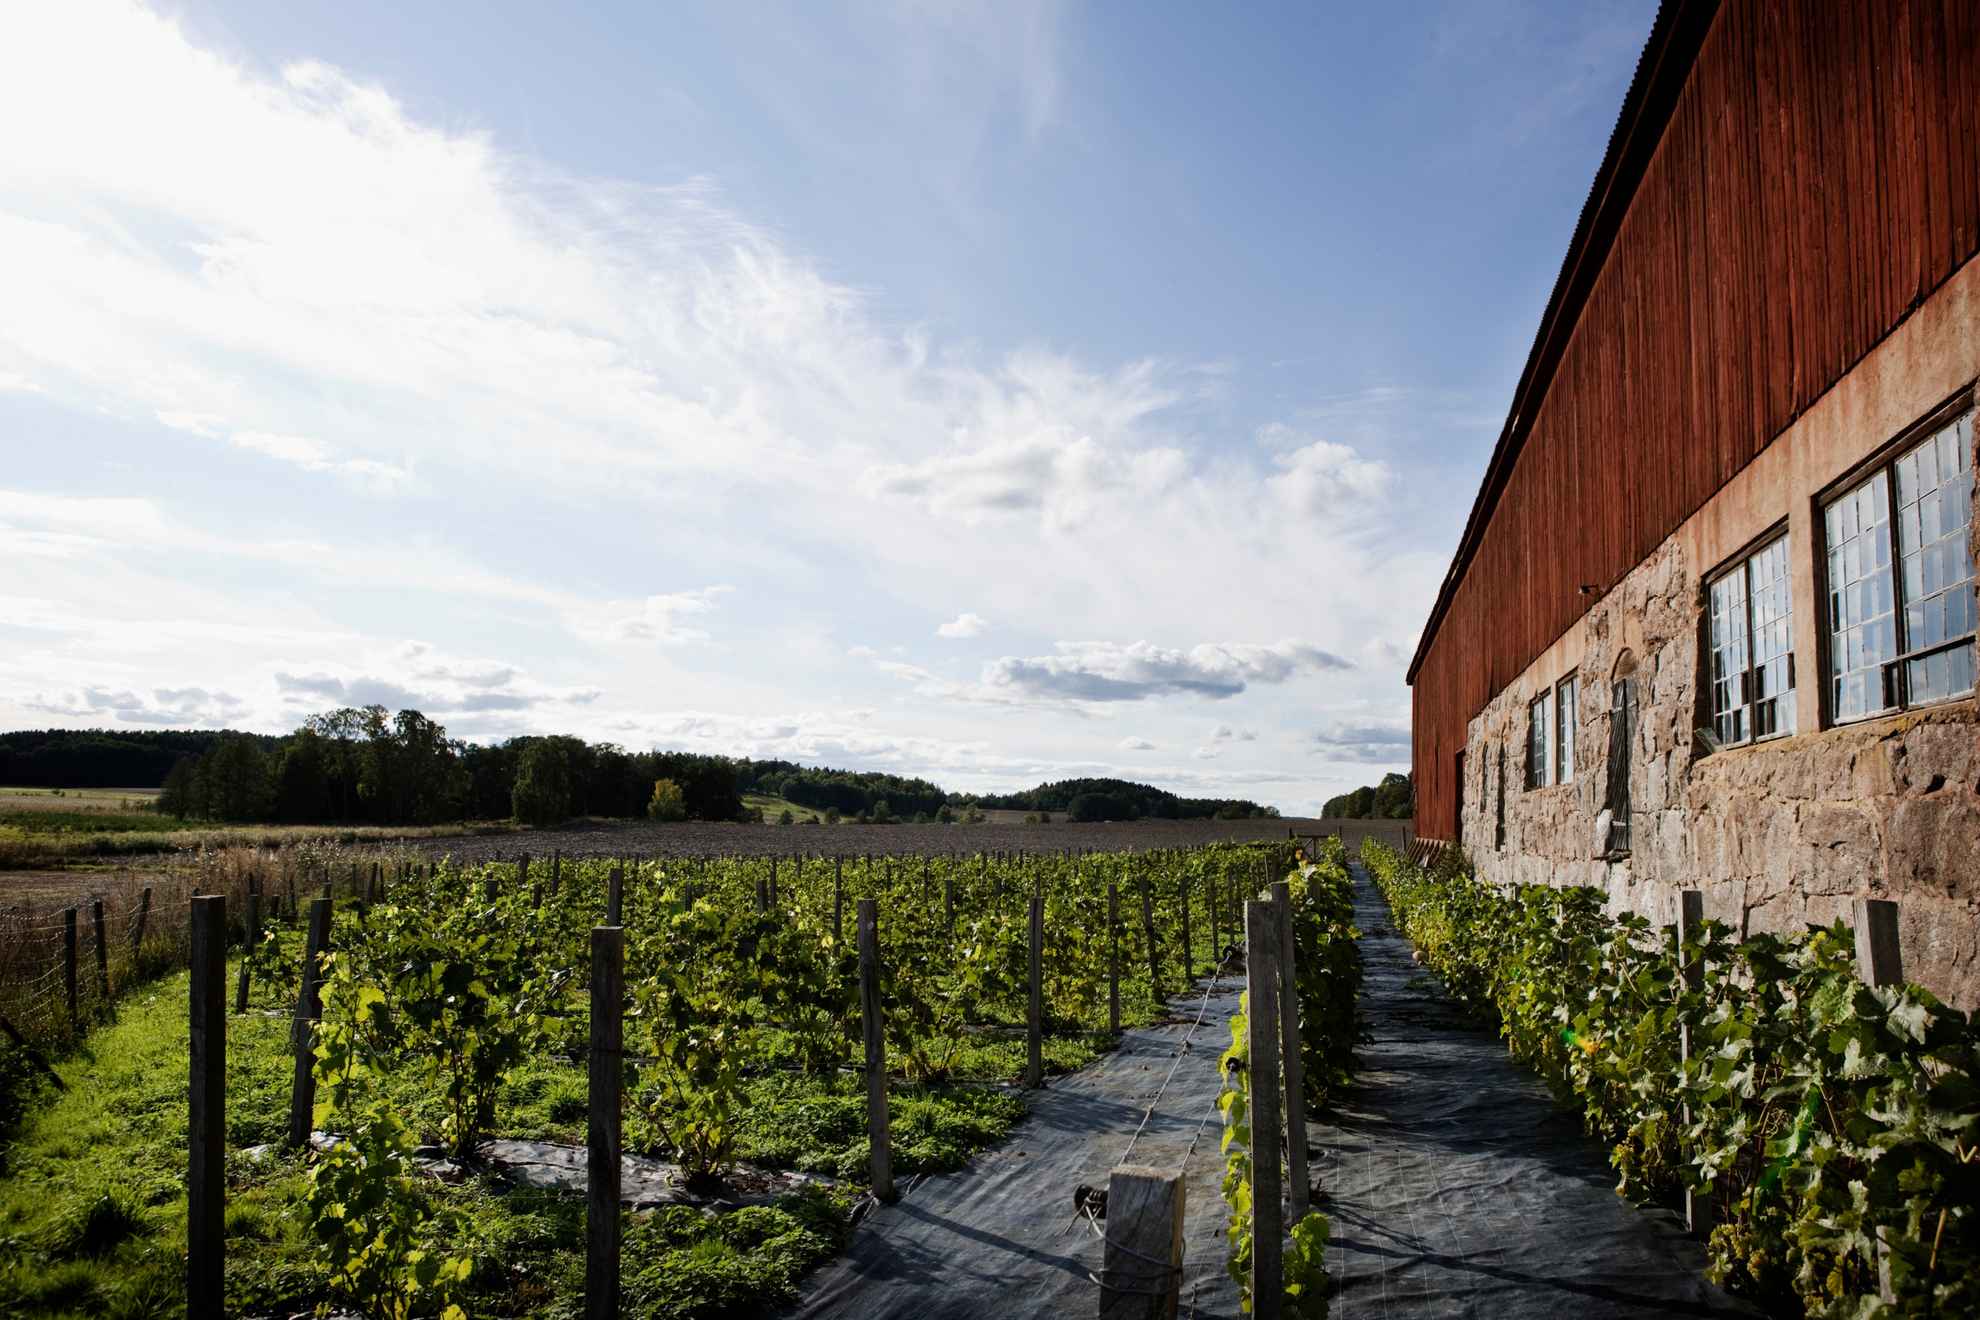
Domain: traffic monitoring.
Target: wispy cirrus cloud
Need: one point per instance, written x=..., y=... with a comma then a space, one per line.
x=1375, y=741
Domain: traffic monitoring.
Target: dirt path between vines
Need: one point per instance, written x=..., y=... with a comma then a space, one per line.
x=1459, y=1187
x=998, y=1238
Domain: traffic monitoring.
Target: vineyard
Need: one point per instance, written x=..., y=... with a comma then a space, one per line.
x=449, y=1054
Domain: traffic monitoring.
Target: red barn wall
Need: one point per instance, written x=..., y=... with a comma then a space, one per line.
x=1819, y=176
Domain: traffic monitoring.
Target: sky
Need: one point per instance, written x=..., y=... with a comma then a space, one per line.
x=992, y=392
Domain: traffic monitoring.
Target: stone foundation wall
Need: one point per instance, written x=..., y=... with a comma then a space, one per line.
x=1775, y=834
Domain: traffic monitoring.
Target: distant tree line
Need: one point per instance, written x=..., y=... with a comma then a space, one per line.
x=365, y=766
x=849, y=792
x=1392, y=799
x=88, y=758
x=1119, y=799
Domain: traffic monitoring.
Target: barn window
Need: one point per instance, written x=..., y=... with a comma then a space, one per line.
x=1901, y=606
x=1539, y=757
x=1564, y=724
x=1752, y=648
x=1622, y=749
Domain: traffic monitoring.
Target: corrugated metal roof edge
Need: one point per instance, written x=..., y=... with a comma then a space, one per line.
x=1676, y=36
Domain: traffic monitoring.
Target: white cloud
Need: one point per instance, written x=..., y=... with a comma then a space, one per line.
x=1106, y=671
x=1385, y=742
x=654, y=619
x=1322, y=477
x=313, y=456
x=963, y=625
x=1225, y=733
x=1136, y=745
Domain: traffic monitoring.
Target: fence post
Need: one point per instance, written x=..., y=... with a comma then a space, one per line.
x=1154, y=954
x=137, y=927
x=1216, y=926
x=1691, y=971
x=838, y=899
x=206, y=1109
x=1034, y=1018
x=1113, y=957
x=873, y=1029
x=556, y=870
x=69, y=961
x=1879, y=961
x=615, y=896
x=1261, y=960
x=102, y=950
x=601, y=1141
x=1292, y=1064
x=309, y=1008
x=949, y=902
x=1144, y=1229
x=253, y=937
x=762, y=895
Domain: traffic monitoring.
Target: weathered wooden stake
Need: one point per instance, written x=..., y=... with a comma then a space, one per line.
x=253, y=938
x=1293, y=1064
x=1879, y=961
x=873, y=1029
x=838, y=898
x=601, y=1141
x=1154, y=953
x=762, y=895
x=1113, y=957
x=102, y=949
x=1261, y=958
x=1144, y=1228
x=1189, y=946
x=1034, y=1026
x=1691, y=915
x=1216, y=928
x=69, y=961
x=615, y=896
x=556, y=870
x=206, y=1109
x=949, y=902
x=309, y=1008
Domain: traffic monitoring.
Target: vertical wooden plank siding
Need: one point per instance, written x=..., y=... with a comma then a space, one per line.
x=1818, y=178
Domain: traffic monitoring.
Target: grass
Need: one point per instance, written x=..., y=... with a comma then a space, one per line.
x=773, y=809
x=27, y=843
x=93, y=1209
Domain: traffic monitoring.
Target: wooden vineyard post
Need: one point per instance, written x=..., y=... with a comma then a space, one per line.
x=206, y=1109
x=762, y=895
x=949, y=902
x=309, y=1008
x=1261, y=960
x=1144, y=1228
x=771, y=894
x=1292, y=1064
x=874, y=1030
x=1154, y=954
x=1691, y=915
x=1189, y=947
x=294, y=910
x=137, y=927
x=556, y=870
x=102, y=950
x=615, y=895
x=1879, y=962
x=253, y=938
x=1216, y=929
x=838, y=899
x=1034, y=1018
x=1113, y=957
x=69, y=962
x=601, y=1141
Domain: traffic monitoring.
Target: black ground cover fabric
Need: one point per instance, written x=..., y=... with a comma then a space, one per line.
x=998, y=1238
x=1459, y=1187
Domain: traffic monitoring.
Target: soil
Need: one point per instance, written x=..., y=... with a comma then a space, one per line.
x=705, y=839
